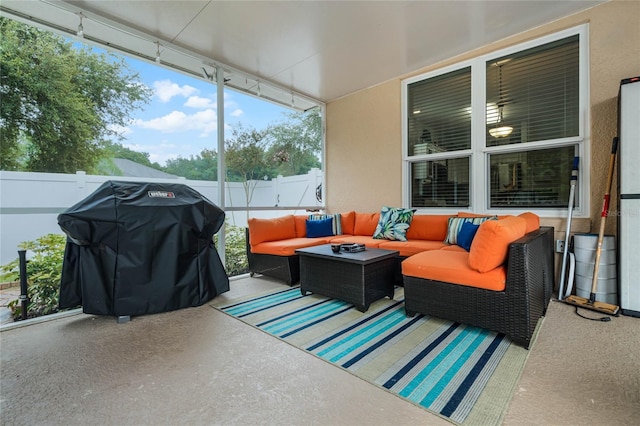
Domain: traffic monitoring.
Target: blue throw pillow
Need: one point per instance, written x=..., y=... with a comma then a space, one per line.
x=337, y=221
x=466, y=234
x=320, y=228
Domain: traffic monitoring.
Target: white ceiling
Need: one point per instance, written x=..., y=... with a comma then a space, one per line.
x=321, y=49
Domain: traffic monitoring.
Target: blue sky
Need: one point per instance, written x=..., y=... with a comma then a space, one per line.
x=180, y=120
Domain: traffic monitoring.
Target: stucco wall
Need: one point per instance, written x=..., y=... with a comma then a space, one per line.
x=363, y=154
x=364, y=146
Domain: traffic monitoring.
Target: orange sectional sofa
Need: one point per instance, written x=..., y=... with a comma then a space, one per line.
x=271, y=243
x=503, y=282
x=282, y=236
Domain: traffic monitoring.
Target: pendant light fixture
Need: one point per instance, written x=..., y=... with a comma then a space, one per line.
x=500, y=130
x=157, y=52
x=80, y=32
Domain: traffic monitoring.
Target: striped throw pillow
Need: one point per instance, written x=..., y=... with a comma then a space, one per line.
x=336, y=221
x=455, y=225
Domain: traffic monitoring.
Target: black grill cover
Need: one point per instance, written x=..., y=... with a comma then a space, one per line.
x=141, y=248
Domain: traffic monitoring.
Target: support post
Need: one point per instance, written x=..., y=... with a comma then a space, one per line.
x=221, y=164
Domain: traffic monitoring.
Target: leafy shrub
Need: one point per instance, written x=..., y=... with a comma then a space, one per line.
x=44, y=271
x=236, y=254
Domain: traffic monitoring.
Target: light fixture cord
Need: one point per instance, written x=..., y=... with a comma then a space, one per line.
x=500, y=95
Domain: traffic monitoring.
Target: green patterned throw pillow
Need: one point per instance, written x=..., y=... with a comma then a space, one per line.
x=393, y=223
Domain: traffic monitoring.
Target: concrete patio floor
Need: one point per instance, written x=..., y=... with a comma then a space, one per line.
x=200, y=366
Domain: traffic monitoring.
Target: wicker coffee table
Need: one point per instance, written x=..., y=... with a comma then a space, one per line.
x=359, y=278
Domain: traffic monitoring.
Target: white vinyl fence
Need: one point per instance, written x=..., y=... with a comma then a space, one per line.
x=30, y=202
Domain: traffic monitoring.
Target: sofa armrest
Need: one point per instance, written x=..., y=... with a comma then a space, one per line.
x=530, y=263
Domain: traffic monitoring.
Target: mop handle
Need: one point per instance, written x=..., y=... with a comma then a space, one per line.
x=603, y=219
x=563, y=271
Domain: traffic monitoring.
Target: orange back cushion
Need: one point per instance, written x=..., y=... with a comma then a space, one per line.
x=301, y=225
x=348, y=222
x=431, y=227
x=533, y=221
x=365, y=223
x=490, y=245
x=280, y=228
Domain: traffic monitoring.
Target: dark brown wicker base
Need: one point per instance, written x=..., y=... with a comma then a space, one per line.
x=284, y=268
x=345, y=277
x=514, y=311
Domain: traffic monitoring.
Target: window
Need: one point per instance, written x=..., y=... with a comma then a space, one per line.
x=439, y=128
x=500, y=131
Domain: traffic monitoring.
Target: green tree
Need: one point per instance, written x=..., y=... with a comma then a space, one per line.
x=295, y=145
x=199, y=167
x=245, y=155
x=60, y=104
x=245, y=158
x=113, y=150
x=117, y=150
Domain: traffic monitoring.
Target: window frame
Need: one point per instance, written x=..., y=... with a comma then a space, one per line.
x=479, y=154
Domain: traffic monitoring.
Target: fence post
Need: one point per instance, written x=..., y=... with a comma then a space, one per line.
x=81, y=179
x=24, y=298
x=81, y=185
x=276, y=189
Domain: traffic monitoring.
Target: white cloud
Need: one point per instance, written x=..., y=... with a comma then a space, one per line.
x=137, y=84
x=237, y=112
x=120, y=130
x=165, y=90
x=178, y=121
x=199, y=102
x=211, y=98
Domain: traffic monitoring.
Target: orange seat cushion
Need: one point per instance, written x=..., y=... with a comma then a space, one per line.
x=280, y=228
x=287, y=247
x=453, y=267
x=365, y=223
x=368, y=241
x=431, y=227
x=411, y=247
x=453, y=247
x=490, y=246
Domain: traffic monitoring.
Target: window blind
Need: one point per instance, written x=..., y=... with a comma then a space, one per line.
x=439, y=118
x=537, y=91
x=442, y=183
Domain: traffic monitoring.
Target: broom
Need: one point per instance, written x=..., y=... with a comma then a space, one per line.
x=591, y=303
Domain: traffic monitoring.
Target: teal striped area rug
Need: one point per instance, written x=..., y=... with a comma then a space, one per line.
x=465, y=374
